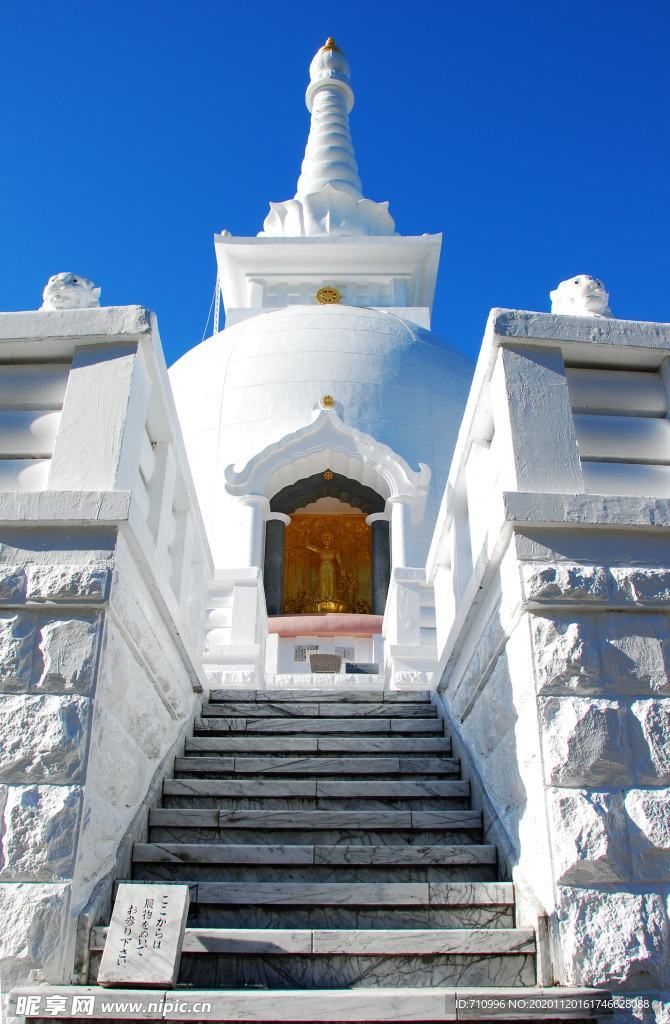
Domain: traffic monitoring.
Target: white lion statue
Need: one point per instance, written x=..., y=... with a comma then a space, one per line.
x=70, y=291
x=581, y=296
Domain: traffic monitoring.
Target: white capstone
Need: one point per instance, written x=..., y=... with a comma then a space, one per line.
x=610, y=938
x=585, y=741
x=650, y=738
x=67, y=583
x=70, y=291
x=43, y=738
x=12, y=582
x=549, y=583
x=18, y=637
x=649, y=813
x=642, y=586
x=39, y=832
x=567, y=655
x=145, y=935
x=589, y=832
x=69, y=649
x=635, y=651
x=33, y=919
x=581, y=296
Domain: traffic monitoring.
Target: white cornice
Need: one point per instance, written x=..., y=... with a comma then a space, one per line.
x=414, y=257
x=329, y=443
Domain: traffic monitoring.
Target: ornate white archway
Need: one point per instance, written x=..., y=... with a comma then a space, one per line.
x=329, y=443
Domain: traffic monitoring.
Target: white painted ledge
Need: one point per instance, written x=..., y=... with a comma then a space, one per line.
x=54, y=334
x=66, y=507
x=616, y=340
x=586, y=510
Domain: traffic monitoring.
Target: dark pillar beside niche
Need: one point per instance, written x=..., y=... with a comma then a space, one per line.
x=273, y=566
x=381, y=564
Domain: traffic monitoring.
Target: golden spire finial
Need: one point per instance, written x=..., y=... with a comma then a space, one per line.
x=330, y=44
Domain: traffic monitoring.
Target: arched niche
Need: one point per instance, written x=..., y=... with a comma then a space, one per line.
x=327, y=443
x=306, y=492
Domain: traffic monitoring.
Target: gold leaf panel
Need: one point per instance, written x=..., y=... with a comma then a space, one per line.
x=328, y=565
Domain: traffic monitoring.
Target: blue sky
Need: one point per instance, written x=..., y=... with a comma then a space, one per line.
x=533, y=135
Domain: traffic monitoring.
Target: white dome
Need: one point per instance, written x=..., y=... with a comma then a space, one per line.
x=259, y=380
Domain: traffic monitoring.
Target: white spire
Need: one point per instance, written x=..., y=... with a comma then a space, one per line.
x=329, y=197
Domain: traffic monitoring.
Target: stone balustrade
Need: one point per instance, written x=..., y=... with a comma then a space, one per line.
x=104, y=567
x=551, y=571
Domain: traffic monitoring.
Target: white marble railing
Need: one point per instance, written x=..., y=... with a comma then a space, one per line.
x=552, y=410
x=85, y=405
x=550, y=564
x=236, y=628
x=104, y=568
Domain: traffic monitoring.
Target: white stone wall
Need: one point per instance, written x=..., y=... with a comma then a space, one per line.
x=551, y=573
x=561, y=699
x=103, y=585
x=92, y=694
x=601, y=639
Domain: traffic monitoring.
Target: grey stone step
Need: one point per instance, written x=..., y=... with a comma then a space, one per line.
x=277, y=942
x=352, y=970
x=326, y=681
x=289, y=745
x=394, y=894
x=187, y=817
x=302, y=726
x=317, y=766
x=349, y=916
x=211, y=853
x=272, y=788
x=323, y=696
x=379, y=1005
x=335, y=709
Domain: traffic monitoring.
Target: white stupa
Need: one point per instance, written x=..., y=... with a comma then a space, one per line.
x=326, y=301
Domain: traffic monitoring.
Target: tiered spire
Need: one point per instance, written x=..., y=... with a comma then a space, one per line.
x=329, y=197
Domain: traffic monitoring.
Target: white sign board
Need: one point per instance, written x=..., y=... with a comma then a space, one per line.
x=145, y=936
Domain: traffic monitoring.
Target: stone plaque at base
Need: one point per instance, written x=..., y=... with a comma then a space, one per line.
x=366, y=668
x=325, y=662
x=145, y=936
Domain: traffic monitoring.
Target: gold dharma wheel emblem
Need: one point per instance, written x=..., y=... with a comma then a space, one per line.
x=327, y=402
x=328, y=296
x=328, y=475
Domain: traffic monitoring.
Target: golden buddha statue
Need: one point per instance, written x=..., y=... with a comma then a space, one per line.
x=329, y=567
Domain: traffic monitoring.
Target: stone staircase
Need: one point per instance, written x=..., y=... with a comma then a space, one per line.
x=339, y=819
x=337, y=871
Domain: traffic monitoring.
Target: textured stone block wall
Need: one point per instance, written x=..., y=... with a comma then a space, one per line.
x=601, y=652
x=93, y=694
x=51, y=624
x=561, y=695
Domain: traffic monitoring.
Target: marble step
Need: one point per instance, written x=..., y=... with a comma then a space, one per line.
x=392, y=766
x=313, y=873
x=188, y=817
x=290, y=745
x=354, y=970
x=303, y=726
x=335, y=709
x=349, y=916
x=380, y=1005
x=325, y=789
x=356, y=894
x=323, y=696
x=326, y=681
x=318, y=942
x=212, y=853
